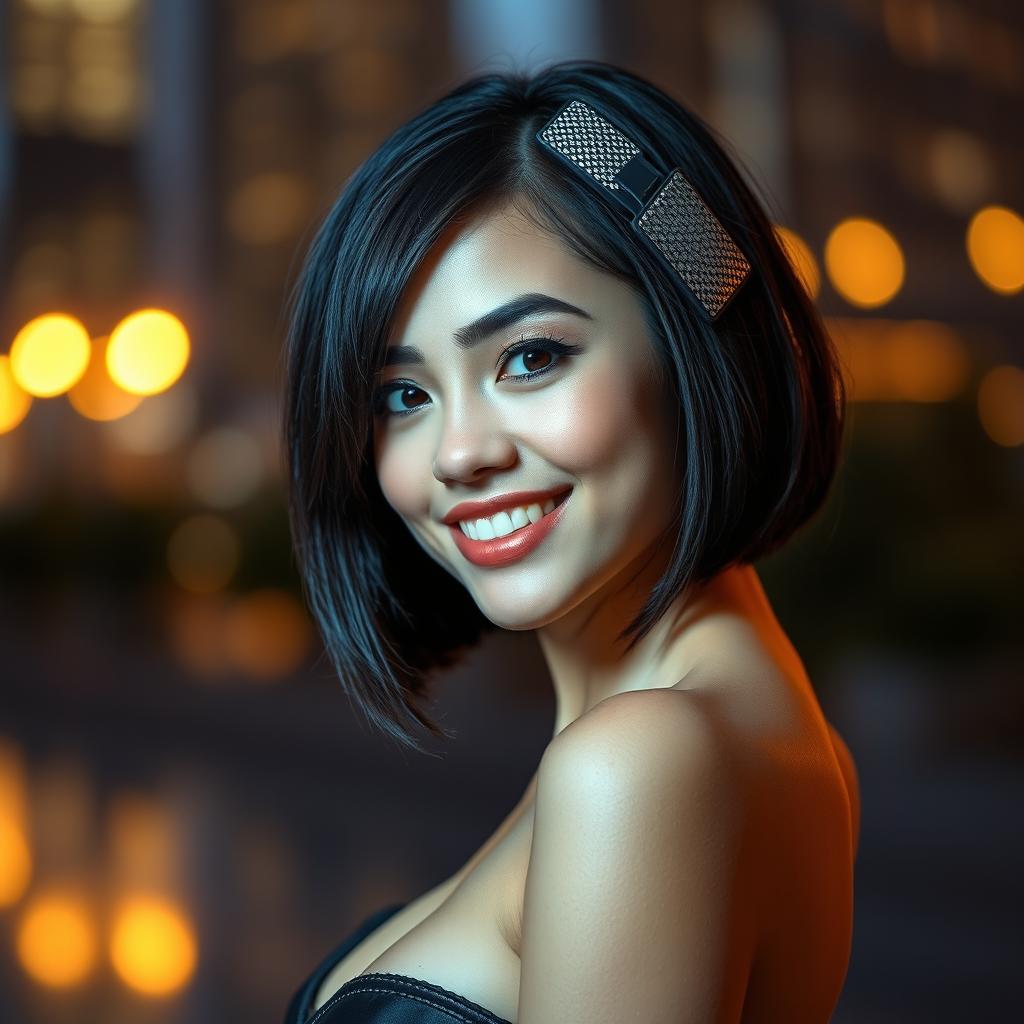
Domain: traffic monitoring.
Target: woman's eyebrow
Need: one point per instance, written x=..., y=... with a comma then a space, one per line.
x=490, y=323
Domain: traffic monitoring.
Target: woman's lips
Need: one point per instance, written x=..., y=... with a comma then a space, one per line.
x=513, y=546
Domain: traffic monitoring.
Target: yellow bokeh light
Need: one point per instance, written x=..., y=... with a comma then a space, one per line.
x=995, y=247
x=800, y=255
x=15, y=854
x=147, y=351
x=864, y=262
x=14, y=400
x=96, y=396
x=152, y=946
x=15, y=862
x=56, y=940
x=1001, y=405
x=49, y=354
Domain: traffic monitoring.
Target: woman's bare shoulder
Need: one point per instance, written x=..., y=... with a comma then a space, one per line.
x=849, y=770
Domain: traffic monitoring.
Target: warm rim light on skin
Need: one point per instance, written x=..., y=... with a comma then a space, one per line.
x=49, y=354
x=147, y=351
x=864, y=262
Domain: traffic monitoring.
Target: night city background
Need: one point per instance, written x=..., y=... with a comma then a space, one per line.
x=191, y=811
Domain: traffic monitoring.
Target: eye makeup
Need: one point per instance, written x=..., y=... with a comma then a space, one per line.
x=541, y=343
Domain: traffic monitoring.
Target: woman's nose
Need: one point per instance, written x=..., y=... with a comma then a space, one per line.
x=471, y=443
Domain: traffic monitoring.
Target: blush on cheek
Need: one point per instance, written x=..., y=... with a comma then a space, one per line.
x=400, y=475
x=601, y=422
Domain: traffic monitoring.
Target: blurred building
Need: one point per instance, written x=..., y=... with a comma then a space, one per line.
x=164, y=718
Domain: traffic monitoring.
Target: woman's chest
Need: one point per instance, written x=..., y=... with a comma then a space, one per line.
x=463, y=935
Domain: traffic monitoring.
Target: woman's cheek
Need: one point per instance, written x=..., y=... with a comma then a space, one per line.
x=597, y=421
x=400, y=474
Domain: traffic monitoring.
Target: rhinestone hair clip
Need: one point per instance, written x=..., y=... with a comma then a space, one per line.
x=665, y=210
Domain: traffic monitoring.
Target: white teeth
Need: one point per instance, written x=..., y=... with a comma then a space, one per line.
x=505, y=522
x=501, y=524
x=519, y=517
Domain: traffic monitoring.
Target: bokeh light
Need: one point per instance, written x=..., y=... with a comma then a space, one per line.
x=56, y=939
x=96, y=396
x=143, y=843
x=153, y=946
x=47, y=7
x=195, y=624
x=203, y=553
x=960, y=167
x=1001, y=405
x=268, y=208
x=14, y=400
x=267, y=633
x=159, y=424
x=49, y=354
x=148, y=351
x=926, y=361
x=15, y=853
x=802, y=259
x=995, y=247
x=15, y=862
x=103, y=10
x=864, y=262
x=225, y=467
x=900, y=361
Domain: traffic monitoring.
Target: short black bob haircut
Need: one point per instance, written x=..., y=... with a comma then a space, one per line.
x=760, y=393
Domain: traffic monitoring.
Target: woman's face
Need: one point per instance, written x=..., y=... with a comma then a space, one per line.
x=589, y=418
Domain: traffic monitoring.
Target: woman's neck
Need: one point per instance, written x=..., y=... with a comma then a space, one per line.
x=587, y=664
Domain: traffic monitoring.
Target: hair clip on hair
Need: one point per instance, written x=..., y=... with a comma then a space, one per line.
x=668, y=214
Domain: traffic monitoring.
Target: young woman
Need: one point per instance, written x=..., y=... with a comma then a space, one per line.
x=549, y=369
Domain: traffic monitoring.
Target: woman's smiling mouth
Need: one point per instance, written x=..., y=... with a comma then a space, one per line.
x=509, y=534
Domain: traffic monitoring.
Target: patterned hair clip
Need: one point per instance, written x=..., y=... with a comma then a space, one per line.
x=666, y=211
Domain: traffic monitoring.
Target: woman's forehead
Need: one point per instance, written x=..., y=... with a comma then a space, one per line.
x=482, y=263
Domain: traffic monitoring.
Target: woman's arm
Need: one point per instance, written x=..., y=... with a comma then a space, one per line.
x=630, y=908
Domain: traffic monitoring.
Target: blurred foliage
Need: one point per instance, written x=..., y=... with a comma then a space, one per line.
x=919, y=548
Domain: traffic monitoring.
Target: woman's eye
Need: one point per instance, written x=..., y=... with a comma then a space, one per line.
x=391, y=402
x=534, y=360
x=536, y=355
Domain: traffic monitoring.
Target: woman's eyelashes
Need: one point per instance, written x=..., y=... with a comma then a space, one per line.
x=527, y=348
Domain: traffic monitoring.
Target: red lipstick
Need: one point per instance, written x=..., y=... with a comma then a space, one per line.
x=492, y=506
x=514, y=546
